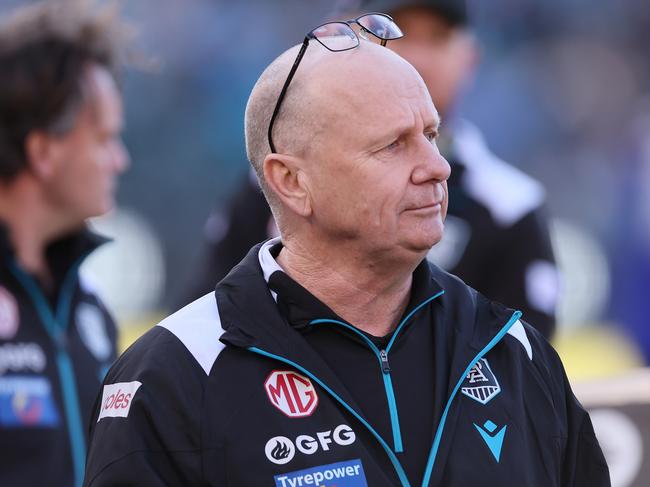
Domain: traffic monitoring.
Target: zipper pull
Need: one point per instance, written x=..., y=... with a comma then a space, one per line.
x=383, y=356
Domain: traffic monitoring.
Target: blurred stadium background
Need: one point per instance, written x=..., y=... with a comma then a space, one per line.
x=562, y=92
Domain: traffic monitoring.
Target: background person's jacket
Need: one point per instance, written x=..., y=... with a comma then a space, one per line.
x=228, y=392
x=55, y=348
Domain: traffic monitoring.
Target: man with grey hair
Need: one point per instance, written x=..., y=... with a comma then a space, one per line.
x=336, y=354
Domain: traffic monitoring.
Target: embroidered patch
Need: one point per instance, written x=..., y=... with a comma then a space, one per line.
x=291, y=392
x=9, y=317
x=26, y=401
x=480, y=383
x=342, y=474
x=92, y=330
x=117, y=399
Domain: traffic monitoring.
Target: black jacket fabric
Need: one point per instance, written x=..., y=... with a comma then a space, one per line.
x=496, y=232
x=238, y=389
x=55, y=349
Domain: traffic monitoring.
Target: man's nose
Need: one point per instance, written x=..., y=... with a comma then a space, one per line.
x=432, y=166
x=120, y=156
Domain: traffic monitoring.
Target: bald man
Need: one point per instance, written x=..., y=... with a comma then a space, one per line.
x=336, y=355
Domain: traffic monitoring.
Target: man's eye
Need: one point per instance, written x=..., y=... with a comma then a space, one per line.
x=393, y=145
x=431, y=136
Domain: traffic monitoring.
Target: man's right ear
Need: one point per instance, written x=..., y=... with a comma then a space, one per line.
x=40, y=154
x=285, y=177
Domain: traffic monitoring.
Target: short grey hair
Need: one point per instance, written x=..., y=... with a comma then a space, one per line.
x=294, y=125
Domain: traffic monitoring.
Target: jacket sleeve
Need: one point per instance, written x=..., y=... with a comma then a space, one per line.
x=145, y=427
x=582, y=461
x=584, y=464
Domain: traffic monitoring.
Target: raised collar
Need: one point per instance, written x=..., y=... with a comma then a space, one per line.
x=303, y=306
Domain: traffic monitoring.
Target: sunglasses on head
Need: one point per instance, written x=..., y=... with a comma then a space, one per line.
x=337, y=37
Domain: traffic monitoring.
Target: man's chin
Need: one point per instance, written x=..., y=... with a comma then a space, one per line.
x=423, y=241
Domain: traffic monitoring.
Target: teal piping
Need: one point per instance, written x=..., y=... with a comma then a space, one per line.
x=388, y=383
x=398, y=467
x=441, y=426
x=55, y=325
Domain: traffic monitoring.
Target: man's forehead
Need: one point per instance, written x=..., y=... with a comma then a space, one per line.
x=369, y=84
x=102, y=97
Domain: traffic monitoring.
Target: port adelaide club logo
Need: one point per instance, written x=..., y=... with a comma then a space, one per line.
x=480, y=383
x=292, y=393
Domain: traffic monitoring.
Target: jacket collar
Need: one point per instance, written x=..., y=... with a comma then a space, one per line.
x=244, y=295
x=60, y=254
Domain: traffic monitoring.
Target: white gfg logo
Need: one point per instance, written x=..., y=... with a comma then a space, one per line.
x=281, y=450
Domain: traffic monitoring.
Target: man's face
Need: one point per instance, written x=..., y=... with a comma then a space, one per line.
x=379, y=177
x=88, y=159
x=443, y=55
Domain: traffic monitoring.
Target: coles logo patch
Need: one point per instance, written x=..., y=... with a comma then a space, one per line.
x=8, y=314
x=341, y=474
x=291, y=392
x=26, y=401
x=117, y=399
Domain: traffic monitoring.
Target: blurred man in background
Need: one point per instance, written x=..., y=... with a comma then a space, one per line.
x=496, y=236
x=60, y=155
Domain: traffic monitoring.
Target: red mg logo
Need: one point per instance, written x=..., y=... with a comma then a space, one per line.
x=291, y=393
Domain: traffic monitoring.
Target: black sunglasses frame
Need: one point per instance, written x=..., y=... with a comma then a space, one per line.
x=310, y=35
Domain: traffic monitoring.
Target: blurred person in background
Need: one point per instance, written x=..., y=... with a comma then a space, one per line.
x=60, y=156
x=496, y=234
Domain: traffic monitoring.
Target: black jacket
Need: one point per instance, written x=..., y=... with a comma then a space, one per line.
x=54, y=352
x=236, y=389
x=496, y=232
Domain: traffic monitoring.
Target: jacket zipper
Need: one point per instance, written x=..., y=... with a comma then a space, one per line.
x=382, y=356
x=55, y=324
x=441, y=425
x=391, y=455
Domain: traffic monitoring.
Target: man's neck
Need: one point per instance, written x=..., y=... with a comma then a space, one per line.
x=370, y=294
x=31, y=228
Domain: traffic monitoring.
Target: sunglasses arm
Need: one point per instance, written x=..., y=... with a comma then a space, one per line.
x=276, y=110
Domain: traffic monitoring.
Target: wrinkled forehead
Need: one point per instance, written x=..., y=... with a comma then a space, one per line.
x=370, y=85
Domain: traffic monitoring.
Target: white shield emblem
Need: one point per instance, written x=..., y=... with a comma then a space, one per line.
x=480, y=383
x=92, y=330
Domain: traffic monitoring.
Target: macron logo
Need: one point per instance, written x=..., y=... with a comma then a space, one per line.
x=116, y=399
x=493, y=438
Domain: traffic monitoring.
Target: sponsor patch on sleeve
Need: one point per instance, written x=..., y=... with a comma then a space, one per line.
x=117, y=399
x=341, y=474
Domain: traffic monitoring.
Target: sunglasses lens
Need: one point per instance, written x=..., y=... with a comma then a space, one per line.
x=381, y=26
x=336, y=36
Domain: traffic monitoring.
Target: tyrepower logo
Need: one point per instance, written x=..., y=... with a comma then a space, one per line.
x=117, y=398
x=291, y=393
x=281, y=449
